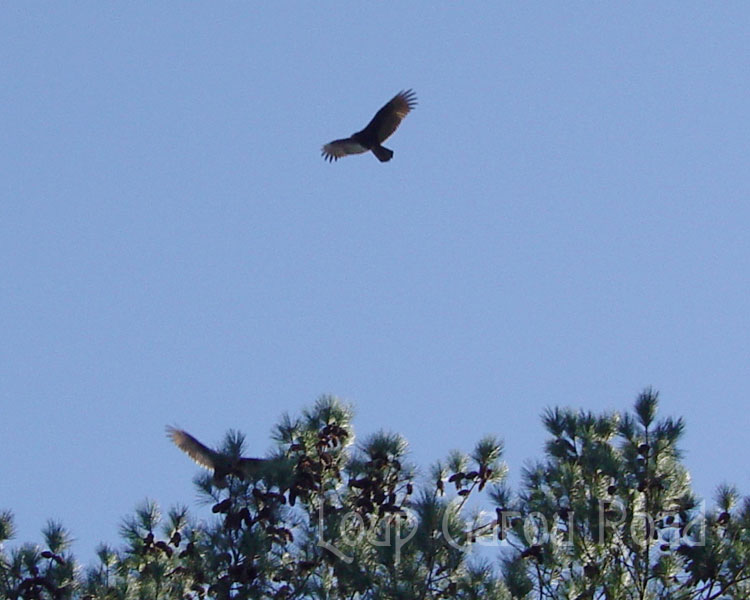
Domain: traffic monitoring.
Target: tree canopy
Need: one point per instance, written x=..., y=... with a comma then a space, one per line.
x=607, y=513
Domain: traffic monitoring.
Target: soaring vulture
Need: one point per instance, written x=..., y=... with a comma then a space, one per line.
x=221, y=464
x=383, y=124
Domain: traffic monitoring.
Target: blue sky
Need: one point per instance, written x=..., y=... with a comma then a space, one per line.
x=564, y=222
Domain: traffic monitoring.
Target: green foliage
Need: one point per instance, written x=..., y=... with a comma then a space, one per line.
x=607, y=513
x=619, y=517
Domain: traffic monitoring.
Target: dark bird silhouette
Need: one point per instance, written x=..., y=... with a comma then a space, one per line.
x=383, y=124
x=221, y=464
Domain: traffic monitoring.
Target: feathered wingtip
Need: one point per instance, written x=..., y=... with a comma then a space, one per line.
x=409, y=96
x=336, y=149
x=201, y=454
x=327, y=155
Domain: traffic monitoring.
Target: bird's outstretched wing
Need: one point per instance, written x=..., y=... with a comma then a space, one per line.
x=220, y=464
x=388, y=118
x=203, y=455
x=343, y=147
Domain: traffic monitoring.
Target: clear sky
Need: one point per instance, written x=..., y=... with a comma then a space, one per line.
x=565, y=222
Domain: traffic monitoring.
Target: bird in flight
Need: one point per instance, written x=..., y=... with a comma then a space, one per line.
x=221, y=464
x=383, y=124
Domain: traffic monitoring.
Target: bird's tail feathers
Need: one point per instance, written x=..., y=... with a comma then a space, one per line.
x=383, y=153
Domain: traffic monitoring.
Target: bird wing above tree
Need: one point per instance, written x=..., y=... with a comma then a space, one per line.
x=203, y=455
x=221, y=464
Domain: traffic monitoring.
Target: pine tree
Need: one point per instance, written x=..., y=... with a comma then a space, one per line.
x=607, y=514
x=610, y=514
